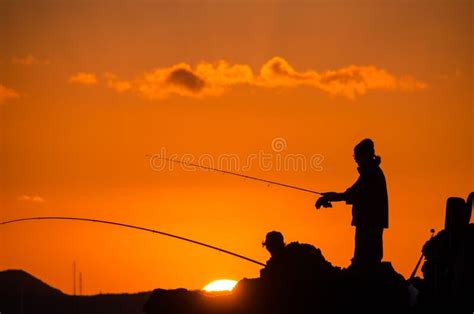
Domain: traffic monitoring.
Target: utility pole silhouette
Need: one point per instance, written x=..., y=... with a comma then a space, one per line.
x=80, y=283
x=74, y=278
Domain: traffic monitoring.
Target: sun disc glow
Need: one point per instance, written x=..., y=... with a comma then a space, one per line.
x=220, y=285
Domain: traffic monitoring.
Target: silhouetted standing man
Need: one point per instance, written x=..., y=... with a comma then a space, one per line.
x=369, y=200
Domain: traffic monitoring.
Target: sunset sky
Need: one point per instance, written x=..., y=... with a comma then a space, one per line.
x=89, y=90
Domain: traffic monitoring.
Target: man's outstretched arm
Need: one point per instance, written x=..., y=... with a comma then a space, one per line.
x=346, y=196
x=329, y=197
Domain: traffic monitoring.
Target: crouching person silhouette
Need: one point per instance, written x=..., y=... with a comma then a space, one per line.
x=275, y=266
x=369, y=200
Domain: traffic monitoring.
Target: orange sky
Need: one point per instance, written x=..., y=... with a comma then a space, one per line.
x=89, y=89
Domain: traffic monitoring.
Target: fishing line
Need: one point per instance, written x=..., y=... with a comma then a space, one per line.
x=237, y=174
x=138, y=228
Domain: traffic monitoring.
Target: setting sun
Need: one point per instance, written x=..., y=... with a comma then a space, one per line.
x=220, y=285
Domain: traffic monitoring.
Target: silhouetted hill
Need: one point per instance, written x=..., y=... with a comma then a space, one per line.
x=16, y=282
x=22, y=293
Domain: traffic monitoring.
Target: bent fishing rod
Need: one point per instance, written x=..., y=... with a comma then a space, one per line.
x=413, y=274
x=235, y=174
x=137, y=228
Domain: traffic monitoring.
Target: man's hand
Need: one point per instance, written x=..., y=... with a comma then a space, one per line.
x=328, y=197
x=323, y=201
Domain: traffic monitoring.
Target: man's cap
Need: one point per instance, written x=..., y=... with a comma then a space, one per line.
x=366, y=145
x=273, y=236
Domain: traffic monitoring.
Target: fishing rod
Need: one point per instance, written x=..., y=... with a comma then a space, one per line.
x=238, y=175
x=413, y=274
x=137, y=228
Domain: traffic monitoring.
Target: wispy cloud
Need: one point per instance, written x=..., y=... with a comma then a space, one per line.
x=29, y=60
x=7, y=93
x=116, y=84
x=350, y=81
x=84, y=78
x=181, y=79
x=212, y=79
x=28, y=198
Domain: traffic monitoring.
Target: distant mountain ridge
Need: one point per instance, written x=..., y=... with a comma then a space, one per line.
x=23, y=293
x=16, y=282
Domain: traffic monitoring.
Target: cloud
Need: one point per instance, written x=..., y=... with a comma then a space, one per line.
x=34, y=199
x=181, y=79
x=7, y=93
x=277, y=72
x=116, y=84
x=29, y=60
x=84, y=78
x=186, y=79
x=349, y=81
x=222, y=74
x=213, y=79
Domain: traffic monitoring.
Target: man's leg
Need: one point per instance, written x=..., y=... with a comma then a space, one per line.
x=359, y=247
x=378, y=244
x=368, y=250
